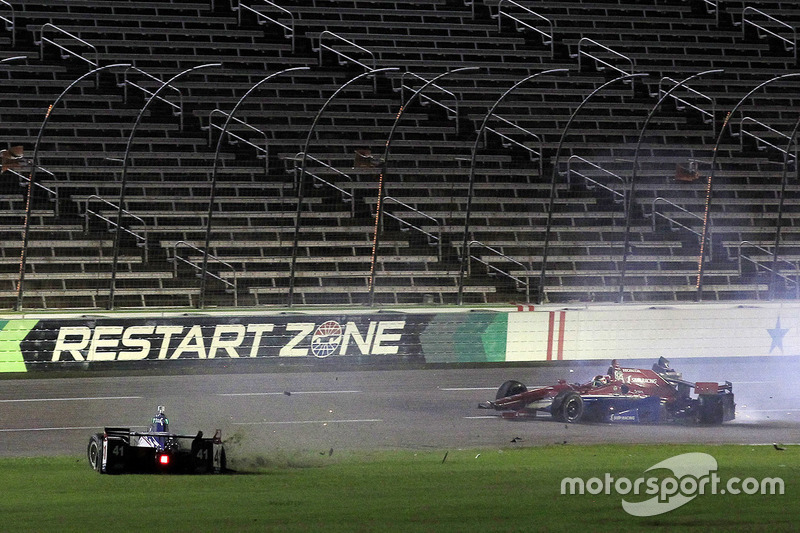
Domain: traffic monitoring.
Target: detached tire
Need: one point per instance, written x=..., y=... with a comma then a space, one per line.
x=510, y=388
x=568, y=407
x=94, y=452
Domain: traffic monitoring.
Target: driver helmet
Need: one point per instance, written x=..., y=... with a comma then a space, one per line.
x=160, y=421
x=599, y=381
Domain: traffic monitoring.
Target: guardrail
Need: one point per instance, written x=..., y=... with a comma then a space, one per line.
x=347, y=196
x=761, y=140
x=288, y=31
x=488, y=265
x=343, y=58
x=233, y=286
x=682, y=103
x=600, y=63
x=452, y=112
x=10, y=22
x=141, y=239
x=64, y=49
x=759, y=266
x=52, y=194
x=790, y=45
x=712, y=8
x=619, y=197
x=672, y=221
x=508, y=141
x=521, y=25
x=438, y=237
x=236, y=138
x=177, y=108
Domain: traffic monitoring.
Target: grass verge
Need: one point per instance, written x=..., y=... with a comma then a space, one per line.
x=465, y=490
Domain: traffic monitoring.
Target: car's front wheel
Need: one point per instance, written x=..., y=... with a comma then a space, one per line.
x=568, y=407
x=510, y=388
x=95, y=452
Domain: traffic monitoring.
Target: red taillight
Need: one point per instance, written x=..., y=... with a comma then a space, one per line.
x=163, y=460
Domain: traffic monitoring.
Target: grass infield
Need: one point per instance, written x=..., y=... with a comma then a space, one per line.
x=477, y=490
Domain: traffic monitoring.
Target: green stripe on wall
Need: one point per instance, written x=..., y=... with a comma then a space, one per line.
x=11, y=333
x=475, y=337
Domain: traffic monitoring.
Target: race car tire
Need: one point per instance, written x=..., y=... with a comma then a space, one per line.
x=510, y=388
x=710, y=410
x=567, y=407
x=94, y=452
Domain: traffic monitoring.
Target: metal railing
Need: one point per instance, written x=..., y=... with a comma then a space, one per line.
x=790, y=45
x=681, y=103
x=507, y=141
x=601, y=63
x=51, y=194
x=672, y=222
x=409, y=225
x=141, y=239
x=452, y=112
x=65, y=52
x=761, y=142
x=233, y=138
x=712, y=8
x=521, y=25
x=233, y=286
x=177, y=109
x=343, y=58
x=619, y=197
x=347, y=196
x=795, y=280
x=493, y=268
x=10, y=22
x=288, y=31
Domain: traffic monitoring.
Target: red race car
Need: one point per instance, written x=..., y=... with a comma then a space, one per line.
x=632, y=395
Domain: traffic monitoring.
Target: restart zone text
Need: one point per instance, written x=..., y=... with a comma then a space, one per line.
x=631, y=395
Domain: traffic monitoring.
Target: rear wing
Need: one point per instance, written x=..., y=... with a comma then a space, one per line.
x=712, y=387
x=126, y=433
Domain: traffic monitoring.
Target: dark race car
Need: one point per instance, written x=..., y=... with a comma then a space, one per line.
x=632, y=395
x=120, y=450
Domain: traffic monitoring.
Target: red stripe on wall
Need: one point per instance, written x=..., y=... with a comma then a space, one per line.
x=562, y=320
x=550, y=331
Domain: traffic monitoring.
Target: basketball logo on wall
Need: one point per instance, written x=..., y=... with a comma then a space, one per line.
x=326, y=339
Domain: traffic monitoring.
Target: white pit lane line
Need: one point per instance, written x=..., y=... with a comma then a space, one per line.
x=459, y=389
x=291, y=422
x=287, y=393
x=92, y=398
x=68, y=428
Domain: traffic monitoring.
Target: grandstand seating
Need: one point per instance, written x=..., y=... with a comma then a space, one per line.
x=427, y=170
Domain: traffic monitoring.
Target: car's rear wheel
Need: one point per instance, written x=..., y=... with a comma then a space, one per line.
x=510, y=388
x=95, y=452
x=568, y=407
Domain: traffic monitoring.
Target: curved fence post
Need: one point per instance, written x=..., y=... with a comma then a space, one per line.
x=123, y=180
x=464, y=252
x=630, y=201
x=382, y=176
x=301, y=179
x=32, y=180
x=212, y=195
x=779, y=222
x=709, y=190
x=554, y=183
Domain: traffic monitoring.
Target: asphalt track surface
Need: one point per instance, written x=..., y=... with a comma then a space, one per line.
x=434, y=408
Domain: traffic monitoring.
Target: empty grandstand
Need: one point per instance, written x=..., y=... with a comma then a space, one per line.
x=371, y=152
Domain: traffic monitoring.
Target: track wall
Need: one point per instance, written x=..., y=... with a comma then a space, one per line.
x=512, y=334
